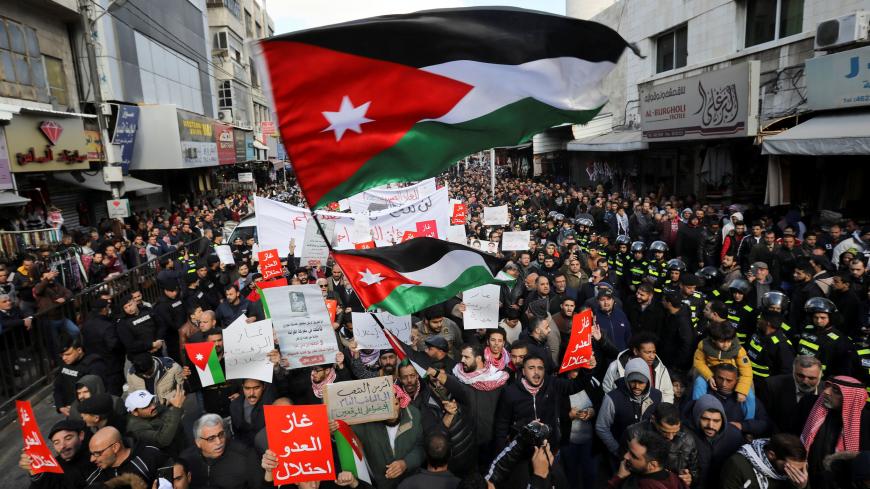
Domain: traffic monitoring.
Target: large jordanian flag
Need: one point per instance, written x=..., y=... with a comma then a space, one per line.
x=401, y=97
x=416, y=274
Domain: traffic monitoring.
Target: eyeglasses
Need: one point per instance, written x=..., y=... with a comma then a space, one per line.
x=213, y=438
x=324, y=286
x=97, y=453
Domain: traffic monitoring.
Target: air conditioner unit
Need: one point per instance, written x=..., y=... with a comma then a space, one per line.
x=220, y=53
x=225, y=115
x=843, y=31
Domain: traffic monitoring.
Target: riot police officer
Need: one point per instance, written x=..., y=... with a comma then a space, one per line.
x=693, y=299
x=637, y=267
x=712, y=280
x=670, y=282
x=823, y=341
x=621, y=257
x=770, y=351
x=657, y=260
x=776, y=301
x=740, y=312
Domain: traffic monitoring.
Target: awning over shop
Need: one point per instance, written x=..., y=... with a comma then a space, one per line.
x=95, y=182
x=827, y=135
x=11, y=198
x=260, y=146
x=611, y=141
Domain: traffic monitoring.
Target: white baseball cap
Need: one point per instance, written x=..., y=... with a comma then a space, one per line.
x=138, y=399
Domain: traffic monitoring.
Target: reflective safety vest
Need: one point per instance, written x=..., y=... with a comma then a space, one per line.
x=656, y=270
x=637, y=271
x=862, y=368
x=822, y=346
x=740, y=314
x=619, y=264
x=696, y=303
x=761, y=349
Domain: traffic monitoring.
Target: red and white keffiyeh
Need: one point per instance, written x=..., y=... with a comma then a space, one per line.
x=317, y=387
x=487, y=379
x=854, y=398
x=498, y=363
x=402, y=396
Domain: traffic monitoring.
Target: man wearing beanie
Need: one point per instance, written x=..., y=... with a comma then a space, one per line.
x=98, y=412
x=70, y=441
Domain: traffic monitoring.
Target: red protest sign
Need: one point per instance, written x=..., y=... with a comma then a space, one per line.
x=254, y=296
x=299, y=436
x=408, y=235
x=459, y=213
x=41, y=459
x=427, y=229
x=270, y=264
x=332, y=308
x=579, y=351
x=368, y=245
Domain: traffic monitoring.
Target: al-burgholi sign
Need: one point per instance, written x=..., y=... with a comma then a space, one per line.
x=717, y=104
x=38, y=144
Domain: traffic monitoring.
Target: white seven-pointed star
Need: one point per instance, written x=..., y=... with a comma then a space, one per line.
x=199, y=357
x=347, y=118
x=370, y=278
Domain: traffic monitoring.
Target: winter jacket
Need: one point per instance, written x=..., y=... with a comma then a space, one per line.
x=46, y=293
x=245, y=430
x=708, y=356
x=481, y=405
x=517, y=407
x=226, y=313
x=167, y=376
x=738, y=473
x=144, y=461
x=170, y=315
x=68, y=375
x=712, y=452
x=163, y=431
x=662, y=479
x=75, y=471
x=616, y=370
x=682, y=454
x=137, y=333
x=615, y=325
x=95, y=386
x=11, y=319
x=620, y=409
x=676, y=339
x=379, y=453
x=236, y=468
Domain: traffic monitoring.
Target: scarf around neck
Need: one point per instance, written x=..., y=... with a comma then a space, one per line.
x=756, y=454
x=530, y=388
x=488, y=378
x=499, y=363
x=317, y=387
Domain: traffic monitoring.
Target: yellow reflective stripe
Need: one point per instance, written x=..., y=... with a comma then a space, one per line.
x=758, y=366
x=755, y=346
x=833, y=336
x=658, y=291
x=775, y=340
x=864, y=352
x=785, y=327
x=809, y=345
x=747, y=308
x=734, y=318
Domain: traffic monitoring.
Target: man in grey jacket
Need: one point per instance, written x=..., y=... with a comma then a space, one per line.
x=682, y=452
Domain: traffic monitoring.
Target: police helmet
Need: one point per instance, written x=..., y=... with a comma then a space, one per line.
x=623, y=240
x=676, y=264
x=774, y=298
x=583, y=221
x=638, y=247
x=659, y=246
x=709, y=274
x=820, y=304
x=740, y=285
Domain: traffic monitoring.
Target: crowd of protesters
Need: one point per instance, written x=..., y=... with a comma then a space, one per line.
x=729, y=352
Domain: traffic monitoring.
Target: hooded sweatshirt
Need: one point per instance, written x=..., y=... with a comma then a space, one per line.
x=712, y=452
x=621, y=409
x=95, y=386
x=658, y=371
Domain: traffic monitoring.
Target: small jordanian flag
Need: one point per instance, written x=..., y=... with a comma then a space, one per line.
x=421, y=272
x=401, y=97
x=258, y=287
x=403, y=353
x=205, y=359
x=350, y=452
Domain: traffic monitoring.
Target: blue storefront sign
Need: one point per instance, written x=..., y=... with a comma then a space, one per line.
x=124, y=135
x=841, y=80
x=250, y=153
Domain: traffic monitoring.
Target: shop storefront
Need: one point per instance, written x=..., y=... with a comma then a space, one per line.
x=831, y=143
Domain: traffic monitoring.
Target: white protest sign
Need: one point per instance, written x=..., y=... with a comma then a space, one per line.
x=277, y=222
x=302, y=325
x=456, y=234
x=315, y=250
x=481, y=307
x=375, y=199
x=225, y=254
x=360, y=401
x=360, y=232
x=368, y=334
x=515, y=240
x=495, y=216
x=246, y=349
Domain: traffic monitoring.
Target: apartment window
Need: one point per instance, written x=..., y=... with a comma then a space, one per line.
x=56, y=79
x=672, y=50
x=249, y=31
x=259, y=30
x=21, y=62
x=220, y=40
x=234, y=8
x=255, y=80
x=225, y=94
x=768, y=20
